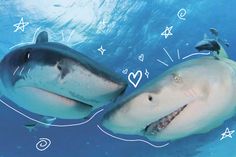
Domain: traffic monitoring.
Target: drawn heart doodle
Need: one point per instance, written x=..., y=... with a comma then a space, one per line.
x=141, y=57
x=125, y=71
x=135, y=78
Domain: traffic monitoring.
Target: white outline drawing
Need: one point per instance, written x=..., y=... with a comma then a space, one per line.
x=62, y=35
x=227, y=133
x=168, y=55
x=141, y=57
x=71, y=33
x=30, y=42
x=146, y=73
x=125, y=71
x=132, y=140
x=171, y=59
x=194, y=54
x=134, y=75
x=178, y=53
x=162, y=62
x=43, y=144
x=167, y=32
x=15, y=71
x=21, y=25
x=101, y=50
x=181, y=14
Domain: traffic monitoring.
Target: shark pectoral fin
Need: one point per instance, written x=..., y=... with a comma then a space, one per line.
x=42, y=37
x=222, y=53
x=47, y=121
x=205, y=36
x=30, y=127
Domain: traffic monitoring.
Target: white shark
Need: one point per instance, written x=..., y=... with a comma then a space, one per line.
x=54, y=80
x=193, y=97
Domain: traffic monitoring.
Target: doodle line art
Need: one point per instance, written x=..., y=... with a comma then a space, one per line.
x=31, y=42
x=167, y=32
x=53, y=125
x=227, y=133
x=141, y=57
x=134, y=76
x=147, y=73
x=132, y=140
x=178, y=55
x=101, y=50
x=43, y=144
x=162, y=62
x=194, y=54
x=71, y=33
x=181, y=14
x=168, y=54
x=125, y=71
x=171, y=59
x=21, y=25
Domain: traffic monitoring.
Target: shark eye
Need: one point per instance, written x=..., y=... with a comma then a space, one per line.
x=150, y=98
x=27, y=55
x=177, y=78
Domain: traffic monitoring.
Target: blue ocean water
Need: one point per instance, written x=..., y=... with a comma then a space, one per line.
x=125, y=29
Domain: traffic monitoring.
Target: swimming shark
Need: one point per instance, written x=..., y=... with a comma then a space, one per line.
x=51, y=79
x=214, y=45
x=190, y=98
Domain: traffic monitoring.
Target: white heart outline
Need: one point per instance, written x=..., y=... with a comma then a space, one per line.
x=125, y=71
x=134, y=76
x=141, y=57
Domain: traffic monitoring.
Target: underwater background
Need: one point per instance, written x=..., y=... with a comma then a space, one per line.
x=130, y=32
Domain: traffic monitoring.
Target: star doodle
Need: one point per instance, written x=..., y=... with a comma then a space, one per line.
x=101, y=50
x=167, y=32
x=227, y=133
x=21, y=25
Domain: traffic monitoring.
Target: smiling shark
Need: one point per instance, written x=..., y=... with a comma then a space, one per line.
x=54, y=80
x=193, y=97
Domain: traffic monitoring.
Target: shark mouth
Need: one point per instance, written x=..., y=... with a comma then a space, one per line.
x=159, y=125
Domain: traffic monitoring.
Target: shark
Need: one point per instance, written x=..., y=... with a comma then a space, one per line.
x=51, y=79
x=190, y=98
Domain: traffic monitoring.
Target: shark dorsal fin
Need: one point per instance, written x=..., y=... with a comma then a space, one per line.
x=205, y=36
x=42, y=37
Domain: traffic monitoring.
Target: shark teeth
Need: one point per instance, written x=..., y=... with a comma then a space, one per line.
x=162, y=123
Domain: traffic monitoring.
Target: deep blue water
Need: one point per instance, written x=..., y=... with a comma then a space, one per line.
x=125, y=29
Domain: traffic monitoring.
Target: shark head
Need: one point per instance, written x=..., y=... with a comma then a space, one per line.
x=190, y=98
x=208, y=44
x=54, y=80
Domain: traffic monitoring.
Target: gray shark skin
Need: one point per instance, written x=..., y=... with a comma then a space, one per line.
x=190, y=98
x=54, y=80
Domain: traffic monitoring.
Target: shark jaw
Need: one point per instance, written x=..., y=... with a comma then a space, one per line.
x=159, y=125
